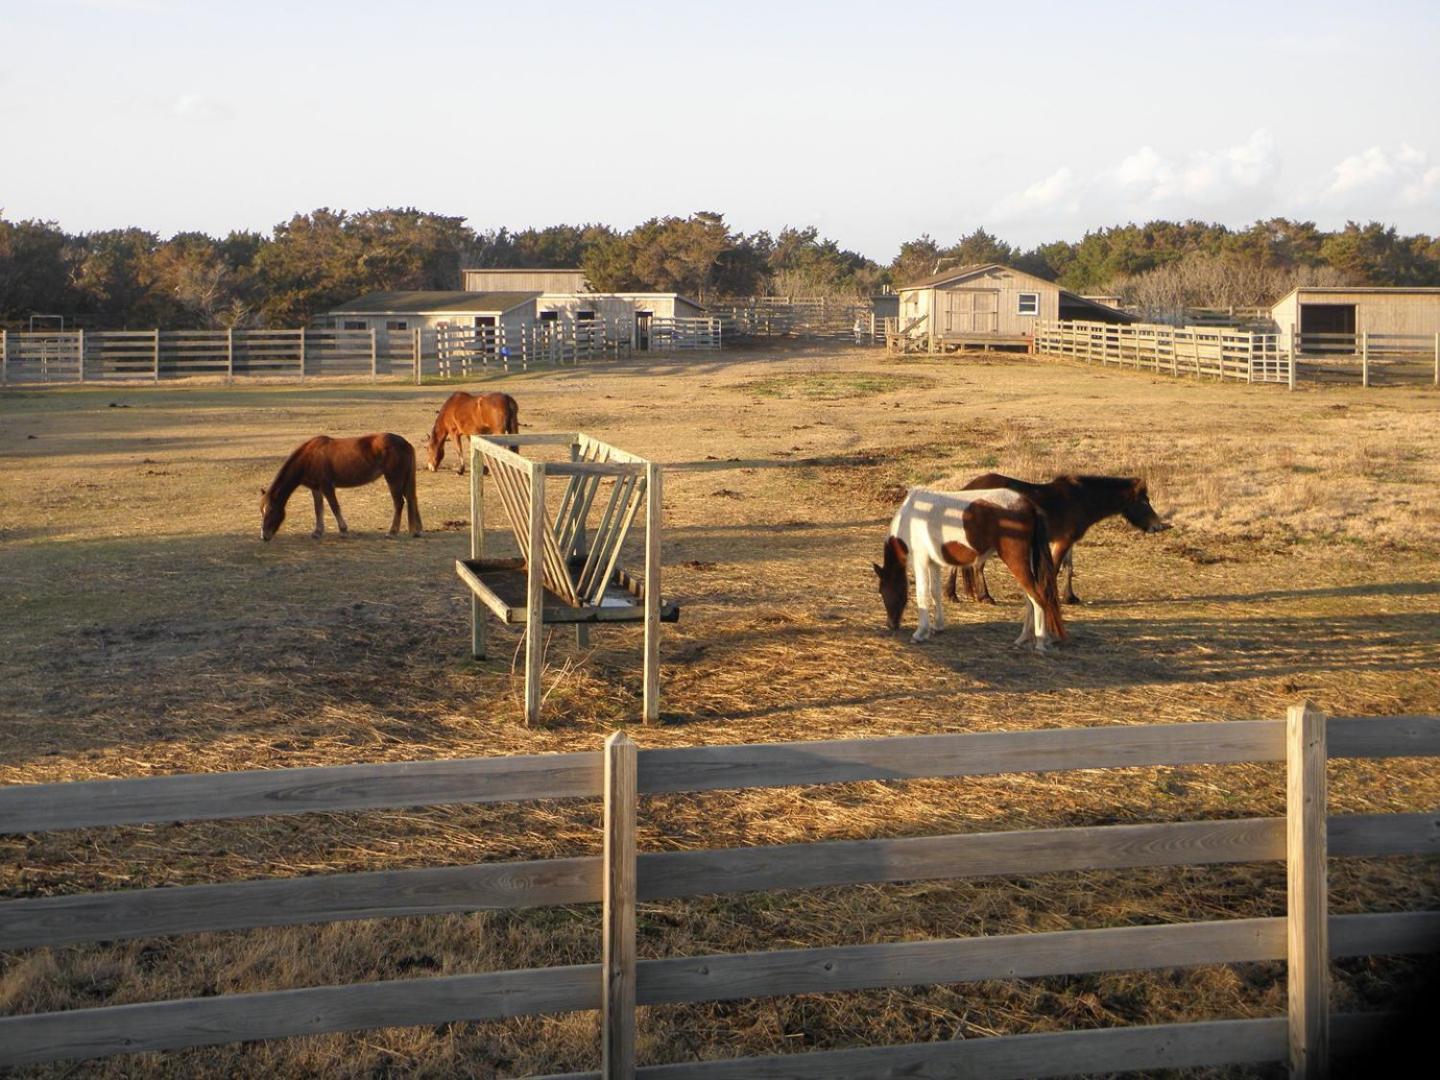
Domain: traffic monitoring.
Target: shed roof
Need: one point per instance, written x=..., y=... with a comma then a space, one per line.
x=955, y=273
x=422, y=303
x=1344, y=290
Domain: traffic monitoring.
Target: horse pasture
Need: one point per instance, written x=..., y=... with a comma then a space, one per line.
x=147, y=630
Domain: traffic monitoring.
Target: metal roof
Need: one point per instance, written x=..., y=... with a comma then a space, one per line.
x=423, y=303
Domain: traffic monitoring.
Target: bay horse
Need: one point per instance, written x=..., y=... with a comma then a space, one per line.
x=471, y=414
x=1072, y=504
x=322, y=464
x=936, y=529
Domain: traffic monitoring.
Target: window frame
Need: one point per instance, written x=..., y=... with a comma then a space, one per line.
x=1020, y=305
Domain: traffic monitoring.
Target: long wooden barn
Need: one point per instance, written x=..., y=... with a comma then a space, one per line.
x=990, y=305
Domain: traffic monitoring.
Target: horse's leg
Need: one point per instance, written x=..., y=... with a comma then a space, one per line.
x=335, y=508
x=937, y=600
x=982, y=587
x=1015, y=554
x=923, y=573
x=412, y=504
x=398, y=498
x=1065, y=560
x=319, y=515
x=460, y=450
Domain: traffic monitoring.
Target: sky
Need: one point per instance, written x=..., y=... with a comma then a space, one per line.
x=872, y=122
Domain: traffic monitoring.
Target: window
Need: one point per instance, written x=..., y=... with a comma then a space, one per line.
x=1029, y=304
x=396, y=324
x=355, y=324
x=584, y=316
x=549, y=316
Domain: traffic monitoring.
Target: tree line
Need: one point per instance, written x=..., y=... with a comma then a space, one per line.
x=309, y=264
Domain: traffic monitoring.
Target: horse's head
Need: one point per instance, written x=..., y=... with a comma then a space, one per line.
x=272, y=514
x=893, y=587
x=1139, y=512
x=434, y=451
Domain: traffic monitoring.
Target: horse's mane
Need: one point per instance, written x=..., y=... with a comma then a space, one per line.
x=1114, y=483
x=287, y=468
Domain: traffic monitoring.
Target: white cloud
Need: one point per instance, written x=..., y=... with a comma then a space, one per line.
x=1147, y=182
x=1056, y=192
x=200, y=109
x=1380, y=178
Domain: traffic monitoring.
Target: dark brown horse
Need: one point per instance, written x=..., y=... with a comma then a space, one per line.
x=322, y=464
x=471, y=414
x=1071, y=504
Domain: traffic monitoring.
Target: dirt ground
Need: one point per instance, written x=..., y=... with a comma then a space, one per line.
x=147, y=630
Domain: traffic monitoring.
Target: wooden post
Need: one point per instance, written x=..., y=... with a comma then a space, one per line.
x=1294, y=355
x=582, y=630
x=535, y=593
x=477, y=544
x=229, y=355
x=5, y=356
x=374, y=357
x=80, y=352
x=617, y=949
x=157, y=354
x=1437, y=359
x=653, y=513
x=415, y=354
x=1365, y=358
x=1307, y=926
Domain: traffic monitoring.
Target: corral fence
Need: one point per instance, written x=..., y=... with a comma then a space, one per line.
x=801, y=317
x=1307, y=937
x=120, y=356
x=1368, y=359
x=461, y=350
x=1217, y=352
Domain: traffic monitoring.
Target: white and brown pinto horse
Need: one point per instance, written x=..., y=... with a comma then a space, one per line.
x=934, y=531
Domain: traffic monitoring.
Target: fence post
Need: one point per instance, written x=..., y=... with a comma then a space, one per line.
x=478, y=611
x=1365, y=358
x=415, y=351
x=1294, y=355
x=535, y=593
x=1437, y=359
x=302, y=354
x=80, y=351
x=157, y=354
x=5, y=356
x=1307, y=935
x=617, y=1056
x=374, y=357
x=229, y=355
x=653, y=512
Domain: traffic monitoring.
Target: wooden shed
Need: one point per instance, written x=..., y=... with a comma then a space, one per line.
x=990, y=305
x=519, y=279
x=424, y=310
x=1320, y=312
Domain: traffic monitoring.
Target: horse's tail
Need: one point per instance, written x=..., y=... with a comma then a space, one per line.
x=1047, y=577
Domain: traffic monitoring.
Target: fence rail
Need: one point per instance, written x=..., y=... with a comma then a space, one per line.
x=1215, y=352
x=803, y=317
x=1369, y=359
x=619, y=877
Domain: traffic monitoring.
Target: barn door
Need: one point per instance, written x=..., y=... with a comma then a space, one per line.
x=972, y=311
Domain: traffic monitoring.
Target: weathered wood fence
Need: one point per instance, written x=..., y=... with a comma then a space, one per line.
x=1215, y=351
x=1307, y=938
x=1369, y=359
x=462, y=350
x=799, y=316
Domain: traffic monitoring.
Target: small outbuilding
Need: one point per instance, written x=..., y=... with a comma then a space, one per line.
x=521, y=279
x=990, y=305
x=426, y=310
x=1312, y=311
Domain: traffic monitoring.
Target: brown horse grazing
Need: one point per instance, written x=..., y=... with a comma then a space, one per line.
x=322, y=464
x=935, y=529
x=1072, y=504
x=471, y=414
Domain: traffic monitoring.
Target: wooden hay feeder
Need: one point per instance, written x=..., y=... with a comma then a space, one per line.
x=568, y=571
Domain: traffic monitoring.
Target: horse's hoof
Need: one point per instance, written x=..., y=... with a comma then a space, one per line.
x=985, y=600
x=1073, y=599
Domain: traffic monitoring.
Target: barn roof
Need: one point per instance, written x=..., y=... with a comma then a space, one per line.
x=1340, y=290
x=419, y=303
x=955, y=273
x=960, y=273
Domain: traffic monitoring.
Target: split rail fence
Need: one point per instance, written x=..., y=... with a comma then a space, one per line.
x=1369, y=359
x=802, y=317
x=1307, y=937
x=1203, y=351
x=461, y=350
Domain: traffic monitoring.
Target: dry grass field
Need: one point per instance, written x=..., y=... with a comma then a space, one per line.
x=147, y=630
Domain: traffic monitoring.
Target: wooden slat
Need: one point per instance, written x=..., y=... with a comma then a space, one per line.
x=1383, y=736
x=711, y=768
x=132, y=913
x=1013, y=1057
x=168, y=1025
x=206, y=796
x=617, y=1018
